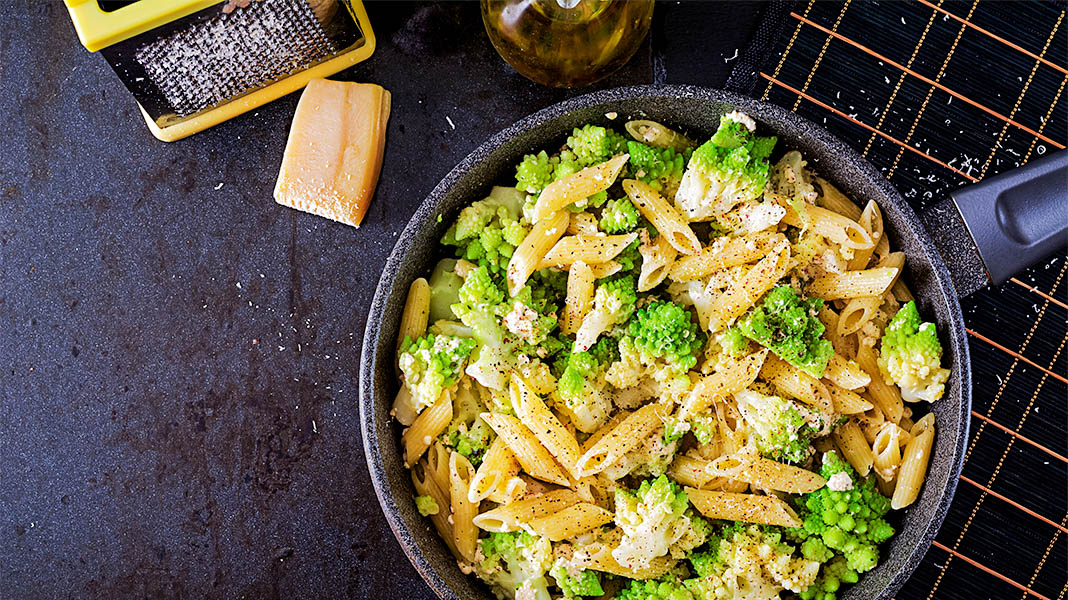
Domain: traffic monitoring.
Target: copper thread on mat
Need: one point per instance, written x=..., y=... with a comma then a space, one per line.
x=927, y=80
x=819, y=57
x=1032, y=288
x=1045, y=555
x=988, y=570
x=866, y=126
x=1045, y=119
x=1013, y=503
x=786, y=52
x=995, y=36
x=1016, y=355
x=1022, y=438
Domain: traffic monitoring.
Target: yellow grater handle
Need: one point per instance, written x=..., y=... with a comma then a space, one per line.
x=98, y=28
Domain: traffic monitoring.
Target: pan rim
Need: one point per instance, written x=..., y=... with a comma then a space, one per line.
x=959, y=351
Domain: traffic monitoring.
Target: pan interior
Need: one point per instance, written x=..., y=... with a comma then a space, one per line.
x=696, y=111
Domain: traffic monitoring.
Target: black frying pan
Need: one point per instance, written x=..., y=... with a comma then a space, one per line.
x=997, y=218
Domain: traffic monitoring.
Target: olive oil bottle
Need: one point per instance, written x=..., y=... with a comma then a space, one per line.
x=566, y=43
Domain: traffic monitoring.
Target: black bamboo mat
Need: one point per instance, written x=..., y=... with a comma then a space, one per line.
x=938, y=95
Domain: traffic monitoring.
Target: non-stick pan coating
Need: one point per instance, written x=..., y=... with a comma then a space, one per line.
x=697, y=111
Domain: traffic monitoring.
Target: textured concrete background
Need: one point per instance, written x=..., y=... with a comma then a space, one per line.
x=179, y=354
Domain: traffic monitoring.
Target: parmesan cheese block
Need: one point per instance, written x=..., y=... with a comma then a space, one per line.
x=334, y=152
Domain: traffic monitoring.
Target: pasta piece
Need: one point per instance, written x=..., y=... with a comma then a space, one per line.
x=464, y=532
x=655, y=134
x=662, y=215
x=886, y=397
x=512, y=517
x=590, y=249
x=832, y=199
x=582, y=223
x=887, y=450
x=606, y=269
x=577, y=186
x=845, y=401
x=846, y=232
x=829, y=318
x=532, y=249
x=624, y=437
x=657, y=257
x=579, y=298
x=437, y=460
x=571, y=521
x=734, y=376
x=534, y=458
x=597, y=556
x=416, y=312
x=404, y=410
x=859, y=311
x=914, y=464
x=901, y=292
x=872, y=222
x=498, y=469
x=544, y=425
x=846, y=373
x=730, y=252
x=798, y=384
x=851, y=443
x=743, y=293
x=425, y=486
x=852, y=284
x=426, y=427
x=690, y=471
x=748, y=508
x=764, y=474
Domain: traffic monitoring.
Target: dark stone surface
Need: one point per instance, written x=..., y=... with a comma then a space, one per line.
x=180, y=355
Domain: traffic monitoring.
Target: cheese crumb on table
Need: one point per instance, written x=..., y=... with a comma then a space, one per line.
x=334, y=153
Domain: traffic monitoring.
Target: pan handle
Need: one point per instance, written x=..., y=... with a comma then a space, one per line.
x=989, y=231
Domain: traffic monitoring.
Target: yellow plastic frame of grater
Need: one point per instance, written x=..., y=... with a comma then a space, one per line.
x=98, y=29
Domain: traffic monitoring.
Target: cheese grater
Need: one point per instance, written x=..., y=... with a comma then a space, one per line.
x=192, y=64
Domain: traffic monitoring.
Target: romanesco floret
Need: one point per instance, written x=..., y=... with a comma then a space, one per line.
x=661, y=168
x=534, y=173
x=431, y=364
x=788, y=326
x=849, y=521
x=663, y=329
x=576, y=583
x=468, y=434
x=750, y=562
x=516, y=564
x=830, y=580
x=734, y=342
x=619, y=216
x=593, y=144
x=730, y=168
x=580, y=385
x=655, y=519
x=781, y=429
x=426, y=505
x=911, y=356
x=488, y=231
x=668, y=588
x=613, y=304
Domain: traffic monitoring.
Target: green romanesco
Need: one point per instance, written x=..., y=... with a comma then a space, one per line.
x=613, y=304
x=847, y=519
x=488, y=232
x=830, y=580
x=656, y=519
x=426, y=505
x=749, y=562
x=619, y=216
x=665, y=330
x=444, y=290
x=781, y=429
x=730, y=168
x=534, y=172
x=593, y=144
x=431, y=364
x=734, y=342
x=911, y=356
x=581, y=383
x=787, y=325
x=468, y=434
x=667, y=588
x=516, y=564
x=661, y=168
x=576, y=583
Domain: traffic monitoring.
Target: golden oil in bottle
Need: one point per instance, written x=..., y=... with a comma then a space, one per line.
x=566, y=43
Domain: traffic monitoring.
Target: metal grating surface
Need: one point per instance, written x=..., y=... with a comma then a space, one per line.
x=937, y=95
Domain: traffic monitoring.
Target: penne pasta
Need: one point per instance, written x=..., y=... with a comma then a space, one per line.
x=590, y=249
x=579, y=299
x=629, y=433
x=655, y=134
x=845, y=401
x=657, y=257
x=852, y=284
x=668, y=221
x=736, y=375
x=887, y=450
x=886, y=397
x=743, y=293
x=845, y=373
x=577, y=186
x=425, y=486
x=763, y=474
x=834, y=200
x=914, y=463
x=534, y=458
x=748, y=508
x=416, y=312
x=851, y=443
x=725, y=253
x=464, y=532
x=533, y=413
x=798, y=384
x=512, y=517
x=607, y=269
x=582, y=223
x=859, y=311
x=496, y=474
x=690, y=471
x=528, y=254
x=598, y=557
x=872, y=222
x=426, y=427
x=404, y=409
x=571, y=521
